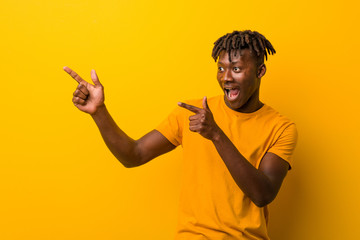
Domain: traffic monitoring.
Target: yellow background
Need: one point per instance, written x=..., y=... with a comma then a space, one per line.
x=59, y=181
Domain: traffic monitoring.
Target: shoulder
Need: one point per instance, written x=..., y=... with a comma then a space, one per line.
x=282, y=128
x=274, y=117
x=284, y=134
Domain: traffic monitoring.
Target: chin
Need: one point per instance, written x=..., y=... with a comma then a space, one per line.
x=234, y=105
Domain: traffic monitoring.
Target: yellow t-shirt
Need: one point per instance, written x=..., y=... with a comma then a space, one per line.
x=212, y=206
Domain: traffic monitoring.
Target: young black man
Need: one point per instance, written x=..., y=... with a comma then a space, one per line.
x=237, y=150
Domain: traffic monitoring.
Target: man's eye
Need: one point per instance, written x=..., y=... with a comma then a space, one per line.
x=236, y=69
x=220, y=69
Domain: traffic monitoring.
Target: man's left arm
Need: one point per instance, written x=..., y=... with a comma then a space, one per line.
x=260, y=185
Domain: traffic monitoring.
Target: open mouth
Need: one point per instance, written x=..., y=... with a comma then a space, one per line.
x=231, y=93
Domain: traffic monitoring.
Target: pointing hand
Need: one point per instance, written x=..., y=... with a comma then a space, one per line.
x=203, y=121
x=87, y=97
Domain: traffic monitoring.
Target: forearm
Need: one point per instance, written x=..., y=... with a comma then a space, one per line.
x=121, y=145
x=253, y=182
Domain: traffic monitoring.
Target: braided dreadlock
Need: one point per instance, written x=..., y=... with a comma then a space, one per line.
x=238, y=40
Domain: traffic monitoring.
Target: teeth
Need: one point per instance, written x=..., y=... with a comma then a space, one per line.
x=227, y=90
x=230, y=93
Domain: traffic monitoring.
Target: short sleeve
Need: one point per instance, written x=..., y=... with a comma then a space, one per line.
x=285, y=145
x=171, y=127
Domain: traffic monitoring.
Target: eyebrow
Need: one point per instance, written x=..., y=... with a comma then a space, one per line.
x=230, y=62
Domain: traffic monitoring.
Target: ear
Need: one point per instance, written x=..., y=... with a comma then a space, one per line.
x=261, y=70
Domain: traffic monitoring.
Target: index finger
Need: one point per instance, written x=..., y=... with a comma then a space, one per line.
x=73, y=74
x=189, y=107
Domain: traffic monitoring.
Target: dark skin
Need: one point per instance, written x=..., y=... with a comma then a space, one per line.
x=243, y=73
x=89, y=98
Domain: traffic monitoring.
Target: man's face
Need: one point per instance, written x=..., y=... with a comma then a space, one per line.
x=240, y=80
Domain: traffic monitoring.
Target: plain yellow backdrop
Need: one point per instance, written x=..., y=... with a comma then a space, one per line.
x=59, y=181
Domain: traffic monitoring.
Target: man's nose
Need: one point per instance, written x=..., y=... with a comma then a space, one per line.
x=227, y=77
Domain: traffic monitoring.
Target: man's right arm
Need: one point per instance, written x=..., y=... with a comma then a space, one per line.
x=131, y=153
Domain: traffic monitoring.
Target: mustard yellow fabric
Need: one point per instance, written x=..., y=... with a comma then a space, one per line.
x=212, y=206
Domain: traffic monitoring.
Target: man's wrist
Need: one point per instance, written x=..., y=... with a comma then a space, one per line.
x=100, y=110
x=217, y=135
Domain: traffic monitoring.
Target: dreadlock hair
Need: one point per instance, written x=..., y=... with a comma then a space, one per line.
x=238, y=40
